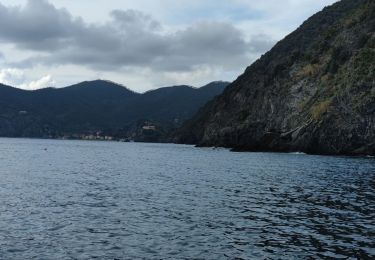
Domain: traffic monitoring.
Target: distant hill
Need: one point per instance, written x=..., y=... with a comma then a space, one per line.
x=97, y=106
x=313, y=92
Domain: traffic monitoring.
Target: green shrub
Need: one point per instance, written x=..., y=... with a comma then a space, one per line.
x=320, y=109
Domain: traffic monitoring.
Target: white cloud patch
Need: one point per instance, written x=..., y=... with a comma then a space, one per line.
x=11, y=76
x=16, y=78
x=44, y=82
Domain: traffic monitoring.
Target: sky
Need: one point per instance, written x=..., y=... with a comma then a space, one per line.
x=141, y=44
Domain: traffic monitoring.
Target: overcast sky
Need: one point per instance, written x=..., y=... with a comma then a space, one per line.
x=142, y=44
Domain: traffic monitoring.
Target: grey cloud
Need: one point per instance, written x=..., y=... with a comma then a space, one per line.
x=132, y=18
x=37, y=26
x=130, y=39
x=207, y=43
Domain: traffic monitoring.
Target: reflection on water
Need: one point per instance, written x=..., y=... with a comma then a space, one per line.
x=84, y=200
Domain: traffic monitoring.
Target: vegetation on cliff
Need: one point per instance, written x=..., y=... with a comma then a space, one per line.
x=313, y=92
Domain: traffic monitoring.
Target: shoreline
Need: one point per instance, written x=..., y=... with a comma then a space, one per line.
x=233, y=150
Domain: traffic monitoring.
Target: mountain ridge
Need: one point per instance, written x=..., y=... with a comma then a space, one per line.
x=95, y=106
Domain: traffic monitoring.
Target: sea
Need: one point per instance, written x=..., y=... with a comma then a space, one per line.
x=62, y=199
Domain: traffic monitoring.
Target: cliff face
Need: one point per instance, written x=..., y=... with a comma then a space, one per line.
x=313, y=92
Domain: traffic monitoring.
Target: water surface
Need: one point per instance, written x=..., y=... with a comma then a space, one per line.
x=108, y=200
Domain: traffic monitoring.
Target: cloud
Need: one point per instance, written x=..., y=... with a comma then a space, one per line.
x=130, y=39
x=16, y=78
x=169, y=42
x=37, y=26
x=130, y=19
x=11, y=76
x=43, y=82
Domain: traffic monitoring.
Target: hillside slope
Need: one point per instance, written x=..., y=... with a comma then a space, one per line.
x=93, y=106
x=313, y=92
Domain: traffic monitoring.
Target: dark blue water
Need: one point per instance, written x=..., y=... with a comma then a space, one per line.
x=107, y=200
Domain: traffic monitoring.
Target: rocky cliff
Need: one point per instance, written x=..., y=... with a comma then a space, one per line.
x=313, y=92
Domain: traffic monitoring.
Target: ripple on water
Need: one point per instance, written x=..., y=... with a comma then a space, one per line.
x=120, y=200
